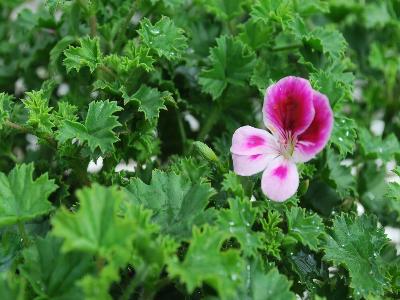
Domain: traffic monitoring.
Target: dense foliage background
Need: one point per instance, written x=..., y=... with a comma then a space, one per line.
x=129, y=86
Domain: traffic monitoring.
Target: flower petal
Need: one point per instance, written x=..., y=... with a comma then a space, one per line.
x=248, y=140
x=246, y=165
x=280, y=180
x=288, y=105
x=314, y=139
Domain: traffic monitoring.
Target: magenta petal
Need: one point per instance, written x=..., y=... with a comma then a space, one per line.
x=288, y=105
x=246, y=165
x=248, y=140
x=280, y=180
x=314, y=139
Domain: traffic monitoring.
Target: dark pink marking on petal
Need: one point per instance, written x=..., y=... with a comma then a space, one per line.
x=280, y=172
x=288, y=105
x=248, y=140
x=255, y=156
x=314, y=139
x=255, y=140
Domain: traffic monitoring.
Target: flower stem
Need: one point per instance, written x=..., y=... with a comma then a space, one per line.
x=93, y=25
x=181, y=131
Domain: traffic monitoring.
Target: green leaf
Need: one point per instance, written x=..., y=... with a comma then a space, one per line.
x=273, y=233
x=6, y=102
x=238, y=221
x=232, y=184
x=327, y=40
x=54, y=274
x=224, y=10
x=376, y=147
x=88, y=54
x=177, y=204
x=37, y=104
x=271, y=286
x=22, y=198
x=163, y=37
x=97, y=131
x=340, y=176
x=308, y=230
x=344, y=135
x=231, y=63
x=12, y=287
x=393, y=194
x=150, y=101
x=205, y=263
x=267, y=11
x=96, y=227
x=356, y=243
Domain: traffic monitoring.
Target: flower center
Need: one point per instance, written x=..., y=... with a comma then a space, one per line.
x=287, y=144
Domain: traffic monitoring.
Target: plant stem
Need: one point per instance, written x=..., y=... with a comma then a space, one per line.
x=139, y=277
x=93, y=25
x=286, y=47
x=122, y=32
x=210, y=122
x=100, y=262
x=22, y=232
x=25, y=129
x=181, y=131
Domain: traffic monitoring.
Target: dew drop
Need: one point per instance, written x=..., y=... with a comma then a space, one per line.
x=155, y=31
x=231, y=223
x=340, y=139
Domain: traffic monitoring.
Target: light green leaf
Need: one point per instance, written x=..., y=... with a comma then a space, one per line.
x=308, y=230
x=231, y=63
x=22, y=198
x=88, y=54
x=96, y=227
x=163, y=37
x=340, y=176
x=12, y=287
x=356, y=243
x=37, y=104
x=97, y=131
x=177, y=204
x=205, y=263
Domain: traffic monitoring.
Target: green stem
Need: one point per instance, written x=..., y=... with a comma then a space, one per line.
x=100, y=262
x=125, y=25
x=286, y=47
x=24, y=129
x=93, y=25
x=139, y=277
x=24, y=236
x=210, y=122
x=181, y=131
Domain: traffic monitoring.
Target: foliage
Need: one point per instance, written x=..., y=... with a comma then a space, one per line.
x=116, y=179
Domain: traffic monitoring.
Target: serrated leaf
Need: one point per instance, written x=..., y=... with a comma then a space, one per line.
x=344, y=135
x=224, y=10
x=340, y=176
x=307, y=229
x=37, y=104
x=150, y=101
x=177, y=204
x=238, y=221
x=232, y=184
x=271, y=286
x=54, y=274
x=88, y=54
x=273, y=233
x=269, y=10
x=96, y=227
x=393, y=194
x=21, y=197
x=376, y=147
x=231, y=63
x=97, y=131
x=205, y=263
x=327, y=40
x=356, y=243
x=163, y=37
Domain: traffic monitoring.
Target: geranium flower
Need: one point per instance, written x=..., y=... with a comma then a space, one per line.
x=299, y=120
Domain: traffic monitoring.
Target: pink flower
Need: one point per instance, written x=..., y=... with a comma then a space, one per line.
x=299, y=120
